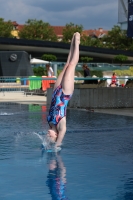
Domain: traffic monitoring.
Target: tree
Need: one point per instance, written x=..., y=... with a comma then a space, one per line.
x=37, y=30
x=91, y=41
x=96, y=42
x=85, y=40
x=117, y=39
x=113, y=38
x=69, y=30
x=86, y=59
x=121, y=58
x=5, y=28
x=49, y=57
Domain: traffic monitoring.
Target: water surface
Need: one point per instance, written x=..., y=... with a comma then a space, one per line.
x=96, y=160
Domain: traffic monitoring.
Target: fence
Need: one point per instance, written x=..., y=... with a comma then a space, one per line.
x=33, y=83
x=95, y=94
x=29, y=85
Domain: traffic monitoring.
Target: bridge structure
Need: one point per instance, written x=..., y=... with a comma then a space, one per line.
x=36, y=48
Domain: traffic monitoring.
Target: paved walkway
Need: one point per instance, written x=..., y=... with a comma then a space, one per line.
x=19, y=97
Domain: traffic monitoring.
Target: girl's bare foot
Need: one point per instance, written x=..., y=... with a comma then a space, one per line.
x=77, y=37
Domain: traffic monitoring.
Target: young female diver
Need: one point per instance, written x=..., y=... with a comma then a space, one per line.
x=62, y=93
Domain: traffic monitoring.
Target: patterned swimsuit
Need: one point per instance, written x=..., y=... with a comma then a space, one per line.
x=58, y=106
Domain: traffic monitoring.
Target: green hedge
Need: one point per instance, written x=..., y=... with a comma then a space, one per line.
x=41, y=71
x=96, y=73
x=128, y=72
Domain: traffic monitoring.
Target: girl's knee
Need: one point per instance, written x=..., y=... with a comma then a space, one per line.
x=72, y=64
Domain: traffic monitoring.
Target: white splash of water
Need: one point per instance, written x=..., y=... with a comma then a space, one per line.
x=42, y=138
x=46, y=144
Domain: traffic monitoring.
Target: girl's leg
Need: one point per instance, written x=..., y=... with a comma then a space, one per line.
x=59, y=79
x=71, y=51
x=68, y=78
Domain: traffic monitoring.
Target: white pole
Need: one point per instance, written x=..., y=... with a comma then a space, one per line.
x=55, y=69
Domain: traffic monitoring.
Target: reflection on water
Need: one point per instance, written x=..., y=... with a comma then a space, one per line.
x=56, y=179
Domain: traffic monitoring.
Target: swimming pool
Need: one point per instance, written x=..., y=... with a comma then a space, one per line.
x=96, y=160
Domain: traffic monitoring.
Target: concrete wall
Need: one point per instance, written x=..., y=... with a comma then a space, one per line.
x=99, y=98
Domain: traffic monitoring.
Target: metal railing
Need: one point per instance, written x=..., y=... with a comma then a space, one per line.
x=13, y=84
x=8, y=84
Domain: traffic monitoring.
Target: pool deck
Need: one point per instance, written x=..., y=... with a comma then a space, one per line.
x=20, y=97
x=116, y=111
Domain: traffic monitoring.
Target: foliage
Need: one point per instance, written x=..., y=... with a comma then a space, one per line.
x=117, y=39
x=58, y=72
x=86, y=59
x=121, y=58
x=128, y=72
x=85, y=40
x=131, y=69
x=69, y=30
x=37, y=30
x=5, y=28
x=39, y=71
x=91, y=41
x=96, y=73
x=96, y=42
x=49, y=57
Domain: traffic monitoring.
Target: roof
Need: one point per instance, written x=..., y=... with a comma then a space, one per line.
x=97, y=33
x=58, y=30
x=15, y=23
x=19, y=27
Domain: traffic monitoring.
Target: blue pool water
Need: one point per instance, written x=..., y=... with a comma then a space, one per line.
x=95, y=163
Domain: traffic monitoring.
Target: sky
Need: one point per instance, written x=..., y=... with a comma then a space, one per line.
x=92, y=14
